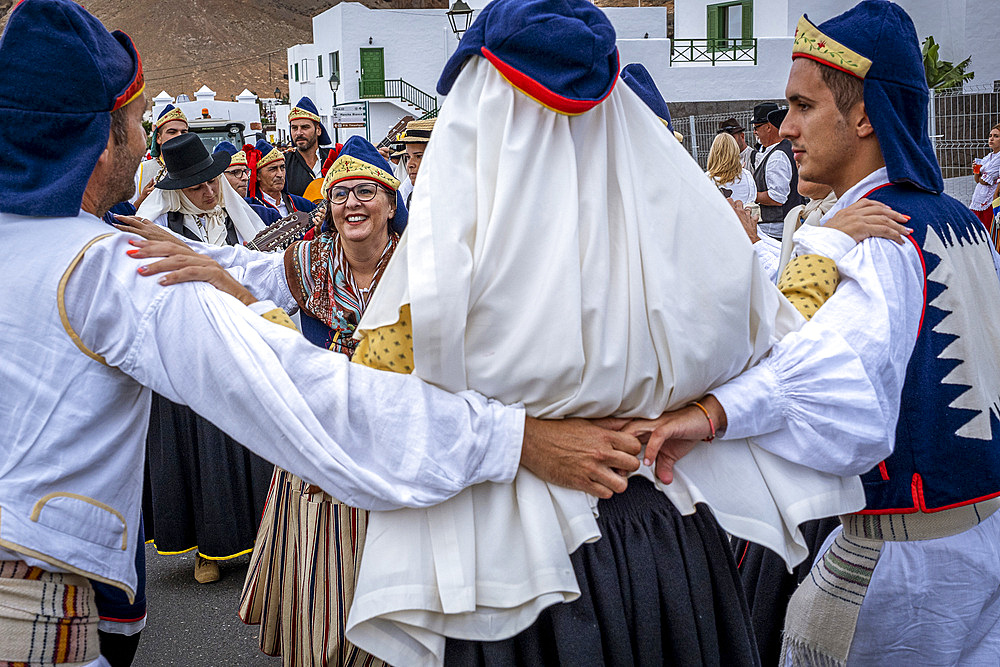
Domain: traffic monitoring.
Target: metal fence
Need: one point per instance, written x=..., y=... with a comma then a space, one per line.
x=714, y=51
x=959, y=122
x=700, y=131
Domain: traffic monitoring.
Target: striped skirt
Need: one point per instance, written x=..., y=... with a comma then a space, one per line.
x=46, y=618
x=300, y=584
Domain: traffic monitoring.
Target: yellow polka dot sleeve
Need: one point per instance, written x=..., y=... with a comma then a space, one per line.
x=388, y=348
x=280, y=317
x=808, y=281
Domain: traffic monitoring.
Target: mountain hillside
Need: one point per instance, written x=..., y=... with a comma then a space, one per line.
x=223, y=44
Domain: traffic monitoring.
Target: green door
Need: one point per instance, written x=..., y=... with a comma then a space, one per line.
x=372, y=73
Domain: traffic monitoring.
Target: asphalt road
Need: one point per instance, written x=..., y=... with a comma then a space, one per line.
x=194, y=624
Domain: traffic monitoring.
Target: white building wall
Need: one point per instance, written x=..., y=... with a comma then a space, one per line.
x=634, y=22
x=698, y=82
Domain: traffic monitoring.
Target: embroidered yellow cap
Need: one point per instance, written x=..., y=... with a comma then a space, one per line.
x=811, y=43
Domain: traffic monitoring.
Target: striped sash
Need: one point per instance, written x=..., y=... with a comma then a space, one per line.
x=46, y=618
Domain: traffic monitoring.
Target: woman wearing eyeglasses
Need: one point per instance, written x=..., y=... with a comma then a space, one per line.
x=308, y=545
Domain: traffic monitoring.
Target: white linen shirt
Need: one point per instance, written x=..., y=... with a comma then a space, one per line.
x=803, y=388
x=982, y=196
x=375, y=440
x=278, y=203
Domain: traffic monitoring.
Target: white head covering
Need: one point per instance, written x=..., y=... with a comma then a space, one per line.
x=213, y=223
x=584, y=266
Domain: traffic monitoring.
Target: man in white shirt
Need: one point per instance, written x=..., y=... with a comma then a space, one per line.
x=914, y=573
x=776, y=176
x=267, y=183
x=86, y=338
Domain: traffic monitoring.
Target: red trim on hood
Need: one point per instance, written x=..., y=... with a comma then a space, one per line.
x=543, y=95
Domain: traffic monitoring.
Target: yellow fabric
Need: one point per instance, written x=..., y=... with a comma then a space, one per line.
x=296, y=113
x=808, y=281
x=272, y=156
x=348, y=166
x=388, y=348
x=812, y=43
x=173, y=114
x=279, y=316
x=238, y=159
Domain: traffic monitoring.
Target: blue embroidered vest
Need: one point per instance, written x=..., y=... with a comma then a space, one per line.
x=948, y=437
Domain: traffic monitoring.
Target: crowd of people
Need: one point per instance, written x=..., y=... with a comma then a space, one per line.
x=497, y=393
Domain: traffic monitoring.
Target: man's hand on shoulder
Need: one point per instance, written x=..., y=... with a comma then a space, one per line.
x=580, y=454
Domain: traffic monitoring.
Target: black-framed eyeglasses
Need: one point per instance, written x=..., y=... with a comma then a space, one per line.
x=238, y=173
x=362, y=192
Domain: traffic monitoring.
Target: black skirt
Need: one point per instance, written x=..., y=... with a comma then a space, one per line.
x=769, y=585
x=658, y=588
x=203, y=489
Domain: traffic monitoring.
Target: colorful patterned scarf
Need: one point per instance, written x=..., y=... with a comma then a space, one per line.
x=325, y=288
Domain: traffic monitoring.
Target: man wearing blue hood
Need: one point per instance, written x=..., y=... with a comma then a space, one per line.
x=86, y=338
x=914, y=575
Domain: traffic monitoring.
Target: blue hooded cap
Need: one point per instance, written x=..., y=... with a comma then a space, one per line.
x=70, y=110
x=638, y=79
x=876, y=42
x=305, y=108
x=561, y=53
x=227, y=147
x=359, y=159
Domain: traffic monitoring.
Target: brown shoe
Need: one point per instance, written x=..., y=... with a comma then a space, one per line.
x=205, y=571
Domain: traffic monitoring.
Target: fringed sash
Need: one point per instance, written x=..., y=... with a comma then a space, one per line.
x=823, y=614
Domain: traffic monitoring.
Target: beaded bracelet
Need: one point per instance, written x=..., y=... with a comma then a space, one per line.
x=711, y=424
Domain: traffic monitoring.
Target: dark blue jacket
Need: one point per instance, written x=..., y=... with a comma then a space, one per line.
x=292, y=203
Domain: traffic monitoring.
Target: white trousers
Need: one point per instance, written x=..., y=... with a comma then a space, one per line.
x=933, y=602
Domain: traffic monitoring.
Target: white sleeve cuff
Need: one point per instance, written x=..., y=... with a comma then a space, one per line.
x=261, y=307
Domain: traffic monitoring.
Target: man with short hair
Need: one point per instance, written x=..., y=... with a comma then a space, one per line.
x=774, y=171
x=304, y=164
x=86, y=338
x=738, y=132
x=914, y=574
x=267, y=183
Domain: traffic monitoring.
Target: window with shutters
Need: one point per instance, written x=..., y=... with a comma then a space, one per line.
x=335, y=63
x=730, y=25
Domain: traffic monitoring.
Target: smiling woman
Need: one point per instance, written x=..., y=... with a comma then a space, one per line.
x=308, y=543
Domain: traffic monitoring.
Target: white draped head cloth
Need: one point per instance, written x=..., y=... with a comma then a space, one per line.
x=583, y=266
x=246, y=222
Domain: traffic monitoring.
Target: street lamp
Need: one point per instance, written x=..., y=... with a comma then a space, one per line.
x=334, y=82
x=460, y=17
x=277, y=94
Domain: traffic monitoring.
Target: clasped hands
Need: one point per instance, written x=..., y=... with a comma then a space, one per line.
x=594, y=456
x=576, y=453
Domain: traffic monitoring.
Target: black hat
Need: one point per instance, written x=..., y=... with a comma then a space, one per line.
x=760, y=112
x=188, y=162
x=777, y=117
x=731, y=126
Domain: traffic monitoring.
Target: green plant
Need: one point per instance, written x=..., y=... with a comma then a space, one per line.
x=941, y=73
